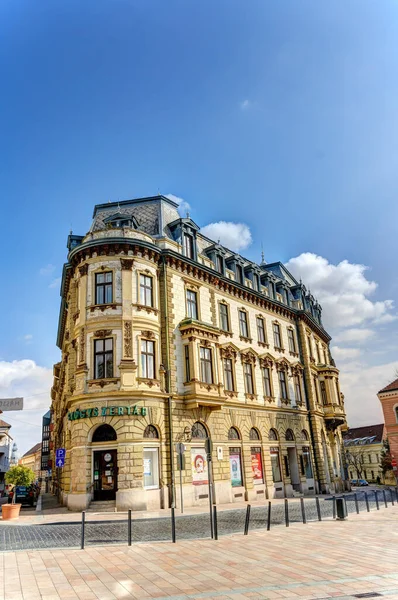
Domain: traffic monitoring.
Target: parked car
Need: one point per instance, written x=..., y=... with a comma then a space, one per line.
x=24, y=494
x=362, y=482
x=354, y=481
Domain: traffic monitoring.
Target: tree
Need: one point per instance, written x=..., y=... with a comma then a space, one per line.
x=19, y=475
x=386, y=458
x=356, y=460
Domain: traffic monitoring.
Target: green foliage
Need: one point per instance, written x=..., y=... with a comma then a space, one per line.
x=19, y=475
x=386, y=458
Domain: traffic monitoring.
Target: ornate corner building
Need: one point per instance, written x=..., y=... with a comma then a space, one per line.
x=168, y=337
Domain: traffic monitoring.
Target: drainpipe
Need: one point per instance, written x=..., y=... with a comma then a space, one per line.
x=168, y=387
x=316, y=468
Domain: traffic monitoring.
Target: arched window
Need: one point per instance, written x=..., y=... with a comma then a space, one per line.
x=233, y=434
x=273, y=435
x=104, y=433
x=396, y=413
x=151, y=432
x=289, y=437
x=304, y=436
x=198, y=431
x=254, y=434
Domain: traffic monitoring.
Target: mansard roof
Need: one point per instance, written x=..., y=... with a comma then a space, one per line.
x=369, y=434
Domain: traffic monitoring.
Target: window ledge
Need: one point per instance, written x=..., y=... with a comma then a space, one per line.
x=251, y=396
x=231, y=393
x=279, y=349
x=245, y=339
x=226, y=332
x=112, y=305
x=149, y=309
x=150, y=382
x=103, y=382
x=285, y=401
x=263, y=344
x=269, y=398
x=296, y=354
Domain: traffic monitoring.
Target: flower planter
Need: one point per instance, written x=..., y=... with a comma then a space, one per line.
x=10, y=511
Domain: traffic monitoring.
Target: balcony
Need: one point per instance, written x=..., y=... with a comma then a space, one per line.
x=199, y=393
x=334, y=416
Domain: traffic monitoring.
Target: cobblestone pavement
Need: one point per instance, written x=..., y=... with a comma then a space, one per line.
x=68, y=535
x=332, y=559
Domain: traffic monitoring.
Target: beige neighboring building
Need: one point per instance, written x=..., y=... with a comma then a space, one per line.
x=32, y=459
x=167, y=336
x=363, y=448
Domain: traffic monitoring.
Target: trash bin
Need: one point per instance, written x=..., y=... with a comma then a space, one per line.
x=341, y=509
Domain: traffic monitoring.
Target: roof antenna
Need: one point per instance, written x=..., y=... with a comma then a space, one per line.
x=188, y=215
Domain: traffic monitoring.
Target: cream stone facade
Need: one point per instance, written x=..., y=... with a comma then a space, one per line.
x=168, y=338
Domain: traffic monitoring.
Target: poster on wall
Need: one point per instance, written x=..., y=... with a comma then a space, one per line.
x=236, y=472
x=257, y=467
x=199, y=466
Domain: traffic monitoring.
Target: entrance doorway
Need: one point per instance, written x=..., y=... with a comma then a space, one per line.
x=105, y=474
x=294, y=470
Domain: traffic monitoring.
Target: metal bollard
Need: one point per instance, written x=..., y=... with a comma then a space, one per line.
x=396, y=493
x=392, y=497
x=286, y=513
x=173, y=525
x=385, y=498
x=215, y=522
x=303, y=511
x=129, y=528
x=269, y=517
x=247, y=521
x=377, y=501
x=83, y=529
x=334, y=507
x=356, y=503
x=318, y=509
x=367, y=501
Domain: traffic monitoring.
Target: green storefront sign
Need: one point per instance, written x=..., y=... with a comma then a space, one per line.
x=107, y=411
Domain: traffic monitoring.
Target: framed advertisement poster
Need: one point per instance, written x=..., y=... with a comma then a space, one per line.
x=199, y=466
x=257, y=466
x=235, y=468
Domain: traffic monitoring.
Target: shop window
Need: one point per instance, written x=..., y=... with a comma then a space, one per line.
x=275, y=465
x=151, y=468
x=272, y=436
x=206, y=365
x=302, y=468
x=104, y=433
x=224, y=317
x=147, y=359
x=307, y=463
x=283, y=385
x=151, y=432
x=277, y=336
x=291, y=340
x=286, y=463
x=233, y=434
x=192, y=304
x=228, y=375
x=243, y=325
x=103, y=358
x=261, y=330
x=248, y=375
x=199, y=431
x=103, y=288
x=254, y=434
x=267, y=381
x=257, y=465
x=289, y=437
x=235, y=467
x=146, y=290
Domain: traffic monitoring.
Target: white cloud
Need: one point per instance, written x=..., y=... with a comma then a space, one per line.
x=55, y=283
x=28, y=336
x=235, y=236
x=27, y=379
x=183, y=205
x=245, y=104
x=47, y=270
x=342, y=290
x=354, y=335
x=345, y=353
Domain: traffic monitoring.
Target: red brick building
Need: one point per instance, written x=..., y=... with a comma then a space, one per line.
x=388, y=397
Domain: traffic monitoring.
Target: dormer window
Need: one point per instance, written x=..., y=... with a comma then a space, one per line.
x=219, y=264
x=239, y=275
x=119, y=220
x=188, y=246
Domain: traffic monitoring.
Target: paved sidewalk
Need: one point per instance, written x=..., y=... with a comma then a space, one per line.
x=318, y=560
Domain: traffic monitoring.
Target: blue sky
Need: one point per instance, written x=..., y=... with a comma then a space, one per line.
x=277, y=115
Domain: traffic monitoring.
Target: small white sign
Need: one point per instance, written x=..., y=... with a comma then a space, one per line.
x=107, y=457
x=11, y=404
x=220, y=453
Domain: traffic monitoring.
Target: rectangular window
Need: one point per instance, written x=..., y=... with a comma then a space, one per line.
x=318, y=354
x=219, y=264
x=275, y=464
x=224, y=317
x=277, y=335
x=206, y=365
x=292, y=341
x=151, y=468
x=323, y=392
x=103, y=288
x=148, y=359
x=192, y=304
x=188, y=245
x=316, y=390
x=267, y=382
x=187, y=364
x=282, y=384
x=243, y=327
x=238, y=272
x=297, y=389
x=146, y=290
x=103, y=358
x=248, y=374
x=261, y=330
x=228, y=375
x=310, y=346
